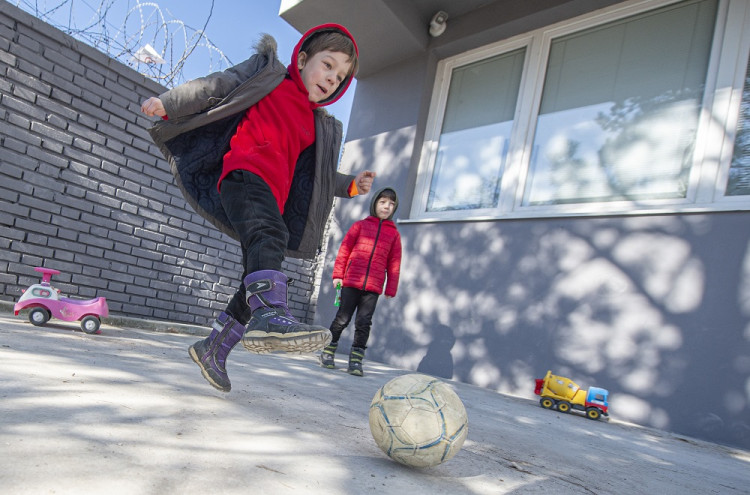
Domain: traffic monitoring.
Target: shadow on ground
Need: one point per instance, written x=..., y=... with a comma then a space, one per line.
x=127, y=411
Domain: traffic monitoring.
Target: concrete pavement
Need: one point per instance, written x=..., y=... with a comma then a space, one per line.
x=127, y=412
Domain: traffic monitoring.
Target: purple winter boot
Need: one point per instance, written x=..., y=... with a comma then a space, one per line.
x=272, y=328
x=211, y=353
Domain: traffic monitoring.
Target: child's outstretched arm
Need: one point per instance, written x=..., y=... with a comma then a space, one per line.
x=345, y=250
x=393, y=269
x=199, y=94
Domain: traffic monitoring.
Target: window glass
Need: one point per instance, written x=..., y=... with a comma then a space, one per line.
x=739, y=171
x=620, y=108
x=475, y=132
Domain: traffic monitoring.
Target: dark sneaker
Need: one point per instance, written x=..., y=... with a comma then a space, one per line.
x=327, y=356
x=273, y=330
x=356, y=356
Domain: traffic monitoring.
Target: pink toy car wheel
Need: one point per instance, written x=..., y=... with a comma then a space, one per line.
x=39, y=316
x=90, y=324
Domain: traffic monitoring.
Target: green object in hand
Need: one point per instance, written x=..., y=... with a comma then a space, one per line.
x=337, y=301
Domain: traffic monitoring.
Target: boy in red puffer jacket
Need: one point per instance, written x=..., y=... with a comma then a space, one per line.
x=369, y=258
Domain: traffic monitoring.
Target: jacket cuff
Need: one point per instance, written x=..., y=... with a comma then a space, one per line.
x=353, y=191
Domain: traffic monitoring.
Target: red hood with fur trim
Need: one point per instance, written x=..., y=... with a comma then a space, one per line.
x=294, y=71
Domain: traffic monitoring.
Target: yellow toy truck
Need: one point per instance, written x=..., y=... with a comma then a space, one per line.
x=558, y=392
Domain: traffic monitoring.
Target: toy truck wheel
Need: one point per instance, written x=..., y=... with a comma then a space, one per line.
x=90, y=324
x=563, y=407
x=39, y=316
x=547, y=403
x=593, y=413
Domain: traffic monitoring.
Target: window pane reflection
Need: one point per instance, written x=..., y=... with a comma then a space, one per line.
x=474, y=138
x=620, y=109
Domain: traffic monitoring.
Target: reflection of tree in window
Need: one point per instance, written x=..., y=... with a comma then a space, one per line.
x=739, y=172
x=624, y=125
x=620, y=108
x=467, y=170
x=565, y=166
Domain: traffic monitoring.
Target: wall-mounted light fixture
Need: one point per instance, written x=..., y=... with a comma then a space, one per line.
x=438, y=23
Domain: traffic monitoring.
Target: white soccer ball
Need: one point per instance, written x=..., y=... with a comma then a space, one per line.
x=418, y=420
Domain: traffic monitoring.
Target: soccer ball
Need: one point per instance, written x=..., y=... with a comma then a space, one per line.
x=418, y=420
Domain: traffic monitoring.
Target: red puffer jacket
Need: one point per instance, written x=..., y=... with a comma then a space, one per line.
x=370, y=250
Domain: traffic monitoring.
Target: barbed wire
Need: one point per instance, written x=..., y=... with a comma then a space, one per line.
x=139, y=34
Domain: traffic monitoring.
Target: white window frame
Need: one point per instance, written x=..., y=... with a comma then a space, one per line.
x=733, y=65
x=714, y=145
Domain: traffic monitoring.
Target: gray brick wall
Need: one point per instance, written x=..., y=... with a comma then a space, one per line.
x=84, y=190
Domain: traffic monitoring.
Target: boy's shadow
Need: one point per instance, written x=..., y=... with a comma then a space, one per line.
x=438, y=360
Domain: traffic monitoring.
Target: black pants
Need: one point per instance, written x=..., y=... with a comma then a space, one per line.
x=252, y=210
x=364, y=303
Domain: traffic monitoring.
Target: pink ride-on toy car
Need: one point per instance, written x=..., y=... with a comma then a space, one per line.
x=43, y=302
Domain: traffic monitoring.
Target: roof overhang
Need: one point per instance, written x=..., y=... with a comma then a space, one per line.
x=387, y=31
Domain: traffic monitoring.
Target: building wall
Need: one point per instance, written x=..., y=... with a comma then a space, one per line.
x=652, y=307
x=84, y=190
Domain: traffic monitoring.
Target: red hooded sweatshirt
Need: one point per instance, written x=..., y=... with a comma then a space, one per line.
x=274, y=131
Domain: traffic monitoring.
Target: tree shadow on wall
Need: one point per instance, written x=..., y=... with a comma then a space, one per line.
x=652, y=307
x=628, y=304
